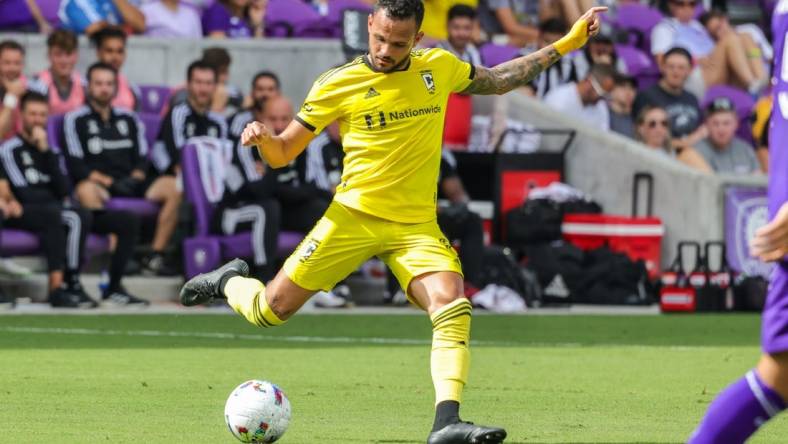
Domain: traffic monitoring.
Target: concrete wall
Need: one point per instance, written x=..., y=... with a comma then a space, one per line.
x=602, y=164
x=164, y=61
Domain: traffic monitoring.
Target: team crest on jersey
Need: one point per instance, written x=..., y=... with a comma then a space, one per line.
x=213, y=132
x=123, y=127
x=307, y=107
x=190, y=129
x=26, y=159
x=429, y=81
x=93, y=127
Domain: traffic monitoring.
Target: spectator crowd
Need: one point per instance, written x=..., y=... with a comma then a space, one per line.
x=74, y=144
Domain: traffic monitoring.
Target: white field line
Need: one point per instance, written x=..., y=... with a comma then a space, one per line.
x=314, y=339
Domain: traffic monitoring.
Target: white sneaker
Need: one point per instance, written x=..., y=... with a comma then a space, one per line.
x=11, y=268
x=399, y=298
x=327, y=299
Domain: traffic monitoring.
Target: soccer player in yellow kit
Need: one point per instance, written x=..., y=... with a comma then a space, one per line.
x=390, y=105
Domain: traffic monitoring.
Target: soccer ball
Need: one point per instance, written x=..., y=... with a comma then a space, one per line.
x=257, y=412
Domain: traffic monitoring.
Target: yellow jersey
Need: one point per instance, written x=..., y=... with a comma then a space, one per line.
x=392, y=128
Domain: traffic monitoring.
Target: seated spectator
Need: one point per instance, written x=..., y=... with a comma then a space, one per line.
x=755, y=42
x=265, y=85
x=515, y=19
x=669, y=93
x=459, y=29
x=62, y=83
x=437, y=14
x=13, y=85
x=558, y=73
x=584, y=100
x=459, y=224
x=600, y=49
x=106, y=153
x=653, y=130
x=723, y=62
x=90, y=16
x=723, y=151
x=321, y=164
x=621, y=99
x=111, y=49
x=191, y=118
x=34, y=189
x=227, y=99
x=234, y=19
x=171, y=18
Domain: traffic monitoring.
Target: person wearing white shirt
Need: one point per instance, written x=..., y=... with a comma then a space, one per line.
x=172, y=18
x=585, y=99
x=720, y=63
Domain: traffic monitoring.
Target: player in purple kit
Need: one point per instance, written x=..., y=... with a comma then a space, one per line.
x=762, y=393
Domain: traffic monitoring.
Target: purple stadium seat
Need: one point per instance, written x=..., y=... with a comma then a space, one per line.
x=295, y=18
x=638, y=20
x=493, y=54
x=141, y=207
x=205, y=251
x=15, y=242
x=55, y=130
x=154, y=98
x=639, y=65
x=15, y=14
x=152, y=123
x=743, y=102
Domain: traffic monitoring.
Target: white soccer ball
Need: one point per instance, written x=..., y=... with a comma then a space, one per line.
x=257, y=412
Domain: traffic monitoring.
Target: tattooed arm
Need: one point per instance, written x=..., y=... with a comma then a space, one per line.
x=512, y=74
x=522, y=70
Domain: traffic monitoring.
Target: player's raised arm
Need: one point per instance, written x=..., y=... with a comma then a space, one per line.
x=522, y=70
x=278, y=151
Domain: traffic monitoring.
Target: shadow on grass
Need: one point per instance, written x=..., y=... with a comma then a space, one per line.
x=216, y=331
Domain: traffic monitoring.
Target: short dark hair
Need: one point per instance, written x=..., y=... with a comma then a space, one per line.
x=714, y=13
x=12, y=45
x=201, y=65
x=461, y=10
x=32, y=97
x=623, y=79
x=63, y=39
x=110, y=32
x=217, y=57
x=101, y=66
x=553, y=25
x=269, y=75
x=601, y=71
x=680, y=51
x=402, y=10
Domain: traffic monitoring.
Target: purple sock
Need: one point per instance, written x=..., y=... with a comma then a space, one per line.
x=737, y=412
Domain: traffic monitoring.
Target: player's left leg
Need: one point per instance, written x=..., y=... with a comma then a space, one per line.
x=761, y=394
x=425, y=263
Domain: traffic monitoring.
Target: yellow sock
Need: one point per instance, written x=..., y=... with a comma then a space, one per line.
x=451, y=357
x=247, y=297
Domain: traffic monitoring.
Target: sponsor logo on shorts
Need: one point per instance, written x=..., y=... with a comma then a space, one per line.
x=308, y=249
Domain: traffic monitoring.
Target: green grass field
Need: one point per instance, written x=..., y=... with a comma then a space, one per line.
x=363, y=378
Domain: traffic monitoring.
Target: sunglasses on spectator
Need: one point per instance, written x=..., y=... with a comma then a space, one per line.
x=598, y=88
x=653, y=123
x=690, y=4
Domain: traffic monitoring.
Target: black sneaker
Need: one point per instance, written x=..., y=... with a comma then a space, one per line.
x=156, y=265
x=84, y=298
x=66, y=299
x=467, y=432
x=6, y=302
x=121, y=297
x=204, y=288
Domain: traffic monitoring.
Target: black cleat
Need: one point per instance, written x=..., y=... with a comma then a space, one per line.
x=204, y=288
x=467, y=433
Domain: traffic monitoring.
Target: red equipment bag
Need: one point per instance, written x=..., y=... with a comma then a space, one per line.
x=637, y=237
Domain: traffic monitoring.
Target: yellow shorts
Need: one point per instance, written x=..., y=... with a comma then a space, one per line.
x=345, y=238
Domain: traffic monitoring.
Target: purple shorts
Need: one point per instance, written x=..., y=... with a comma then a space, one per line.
x=774, y=326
